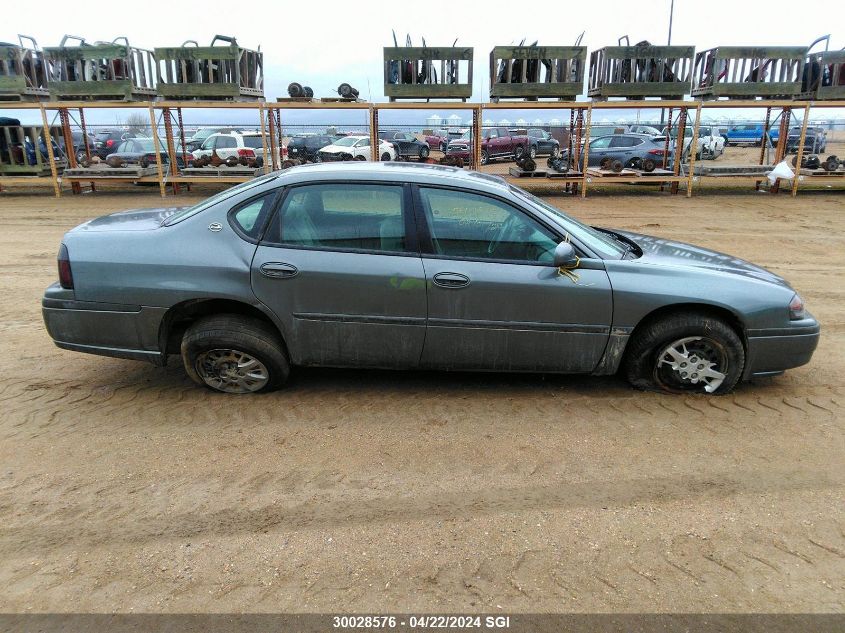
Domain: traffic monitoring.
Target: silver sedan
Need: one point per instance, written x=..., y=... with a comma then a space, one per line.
x=395, y=265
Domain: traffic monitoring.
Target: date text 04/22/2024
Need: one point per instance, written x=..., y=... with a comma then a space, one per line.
x=389, y=622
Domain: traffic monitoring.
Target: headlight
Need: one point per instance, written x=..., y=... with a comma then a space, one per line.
x=796, y=308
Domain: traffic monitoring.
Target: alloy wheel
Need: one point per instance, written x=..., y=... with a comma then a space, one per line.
x=232, y=371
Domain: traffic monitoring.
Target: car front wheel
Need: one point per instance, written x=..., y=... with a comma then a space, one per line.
x=533, y=151
x=687, y=352
x=233, y=353
x=423, y=152
x=485, y=157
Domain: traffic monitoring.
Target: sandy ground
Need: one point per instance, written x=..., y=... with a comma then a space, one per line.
x=125, y=488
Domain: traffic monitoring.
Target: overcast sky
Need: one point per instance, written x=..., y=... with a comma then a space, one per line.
x=323, y=43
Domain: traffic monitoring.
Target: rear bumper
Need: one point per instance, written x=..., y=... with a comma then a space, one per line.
x=107, y=329
x=773, y=351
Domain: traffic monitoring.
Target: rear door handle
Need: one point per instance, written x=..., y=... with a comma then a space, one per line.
x=278, y=270
x=451, y=280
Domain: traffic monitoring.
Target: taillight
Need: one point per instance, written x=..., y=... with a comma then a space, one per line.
x=656, y=152
x=65, y=274
x=246, y=153
x=109, y=143
x=796, y=309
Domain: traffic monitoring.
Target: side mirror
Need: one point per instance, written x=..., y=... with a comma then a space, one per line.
x=564, y=256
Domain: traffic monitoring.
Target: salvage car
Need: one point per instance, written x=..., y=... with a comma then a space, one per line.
x=496, y=142
x=141, y=150
x=542, y=144
x=406, y=145
x=440, y=138
x=406, y=266
x=248, y=146
x=107, y=141
x=631, y=150
x=306, y=147
x=815, y=141
x=355, y=147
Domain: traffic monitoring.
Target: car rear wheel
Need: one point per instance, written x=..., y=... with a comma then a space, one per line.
x=233, y=353
x=385, y=157
x=443, y=147
x=423, y=152
x=533, y=151
x=687, y=352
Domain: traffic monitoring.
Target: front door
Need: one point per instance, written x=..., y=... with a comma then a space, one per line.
x=340, y=268
x=495, y=302
x=599, y=150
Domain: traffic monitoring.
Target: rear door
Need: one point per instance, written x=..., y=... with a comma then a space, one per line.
x=340, y=267
x=495, y=302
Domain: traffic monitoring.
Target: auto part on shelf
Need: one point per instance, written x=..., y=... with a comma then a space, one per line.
x=347, y=92
x=298, y=90
x=559, y=164
x=115, y=161
x=526, y=163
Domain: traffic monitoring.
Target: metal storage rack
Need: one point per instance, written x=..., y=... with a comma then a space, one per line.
x=403, y=66
x=23, y=72
x=517, y=72
x=53, y=163
x=104, y=70
x=640, y=71
x=739, y=72
x=228, y=72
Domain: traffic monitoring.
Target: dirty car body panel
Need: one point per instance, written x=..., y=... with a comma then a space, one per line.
x=387, y=291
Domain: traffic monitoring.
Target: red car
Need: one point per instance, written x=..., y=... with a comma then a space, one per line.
x=496, y=142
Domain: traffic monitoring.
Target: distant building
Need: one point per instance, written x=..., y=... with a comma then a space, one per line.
x=434, y=121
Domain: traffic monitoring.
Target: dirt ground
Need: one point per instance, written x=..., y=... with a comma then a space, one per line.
x=123, y=487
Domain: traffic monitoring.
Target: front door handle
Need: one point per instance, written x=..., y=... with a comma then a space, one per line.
x=451, y=280
x=278, y=270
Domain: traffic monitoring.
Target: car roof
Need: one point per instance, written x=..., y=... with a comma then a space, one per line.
x=422, y=173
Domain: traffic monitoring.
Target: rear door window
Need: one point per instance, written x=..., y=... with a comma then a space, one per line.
x=342, y=217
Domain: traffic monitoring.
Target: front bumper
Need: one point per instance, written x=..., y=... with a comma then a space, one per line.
x=458, y=153
x=106, y=329
x=772, y=351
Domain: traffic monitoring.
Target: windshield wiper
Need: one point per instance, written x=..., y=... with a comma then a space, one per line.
x=629, y=245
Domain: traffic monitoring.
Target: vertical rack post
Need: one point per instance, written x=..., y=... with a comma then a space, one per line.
x=269, y=161
x=800, y=154
x=156, y=144
x=374, y=153
x=64, y=117
x=586, y=158
x=679, y=147
x=171, y=150
x=695, y=129
x=48, y=139
x=275, y=147
x=476, y=137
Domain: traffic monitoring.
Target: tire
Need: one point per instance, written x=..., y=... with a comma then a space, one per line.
x=649, y=165
x=533, y=151
x=318, y=158
x=81, y=156
x=485, y=158
x=616, y=166
x=443, y=147
x=556, y=151
x=360, y=158
x=647, y=360
x=424, y=151
x=518, y=152
x=206, y=340
x=385, y=157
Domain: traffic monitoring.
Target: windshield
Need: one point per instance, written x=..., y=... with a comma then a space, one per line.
x=223, y=195
x=600, y=242
x=346, y=141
